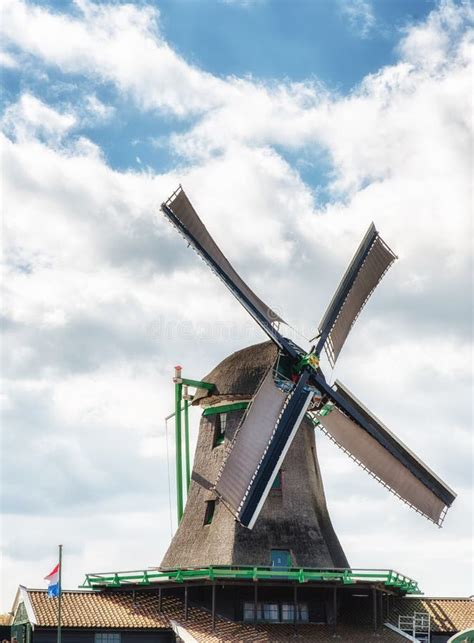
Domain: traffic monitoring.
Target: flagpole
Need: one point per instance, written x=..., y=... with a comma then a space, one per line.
x=60, y=592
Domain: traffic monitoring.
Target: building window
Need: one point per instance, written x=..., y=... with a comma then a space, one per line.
x=303, y=613
x=287, y=612
x=107, y=637
x=223, y=417
x=209, y=514
x=275, y=612
x=220, y=421
x=248, y=612
x=281, y=558
x=270, y=612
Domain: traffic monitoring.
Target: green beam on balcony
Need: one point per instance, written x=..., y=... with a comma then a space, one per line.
x=389, y=578
x=225, y=408
x=197, y=384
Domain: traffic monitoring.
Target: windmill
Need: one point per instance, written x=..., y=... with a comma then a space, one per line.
x=295, y=389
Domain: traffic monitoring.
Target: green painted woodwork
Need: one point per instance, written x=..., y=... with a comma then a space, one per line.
x=21, y=626
x=466, y=636
x=21, y=616
x=225, y=408
x=179, y=408
x=179, y=470
x=311, y=360
x=198, y=384
x=21, y=632
x=186, y=443
x=326, y=410
x=388, y=578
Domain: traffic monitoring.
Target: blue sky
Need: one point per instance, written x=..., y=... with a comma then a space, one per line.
x=298, y=40
x=334, y=43
x=292, y=126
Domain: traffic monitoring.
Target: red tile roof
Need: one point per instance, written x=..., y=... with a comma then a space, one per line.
x=98, y=609
x=242, y=633
x=447, y=614
x=140, y=610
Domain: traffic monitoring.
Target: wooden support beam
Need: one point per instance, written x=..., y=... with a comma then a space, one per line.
x=295, y=607
x=185, y=603
x=374, y=608
x=213, y=606
x=255, y=603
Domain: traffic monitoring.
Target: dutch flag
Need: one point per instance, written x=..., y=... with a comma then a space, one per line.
x=53, y=580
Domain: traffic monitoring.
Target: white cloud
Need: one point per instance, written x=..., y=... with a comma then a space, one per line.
x=432, y=44
x=360, y=15
x=97, y=109
x=141, y=531
x=147, y=68
x=8, y=61
x=101, y=298
x=30, y=118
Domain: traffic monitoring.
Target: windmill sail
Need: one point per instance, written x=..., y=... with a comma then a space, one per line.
x=181, y=213
x=259, y=447
x=369, y=264
x=368, y=441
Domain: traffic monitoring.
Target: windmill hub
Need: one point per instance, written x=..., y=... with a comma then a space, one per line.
x=311, y=360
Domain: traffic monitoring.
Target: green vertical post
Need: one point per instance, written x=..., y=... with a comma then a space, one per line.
x=186, y=436
x=178, y=386
x=60, y=592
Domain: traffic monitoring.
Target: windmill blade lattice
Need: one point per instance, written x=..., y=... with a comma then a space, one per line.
x=179, y=210
x=373, y=446
x=260, y=445
x=369, y=264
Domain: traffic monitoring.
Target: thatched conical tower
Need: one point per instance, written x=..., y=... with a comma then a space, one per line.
x=294, y=517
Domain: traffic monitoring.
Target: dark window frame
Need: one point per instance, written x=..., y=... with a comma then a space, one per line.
x=220, y=423
x=209, y=512
x=285, y=607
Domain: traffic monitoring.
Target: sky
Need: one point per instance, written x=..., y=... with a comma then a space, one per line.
x=292, y=126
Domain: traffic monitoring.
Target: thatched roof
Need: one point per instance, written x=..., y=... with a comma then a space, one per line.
x=239, y=374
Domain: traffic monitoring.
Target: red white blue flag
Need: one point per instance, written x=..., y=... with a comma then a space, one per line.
x=53, y=580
